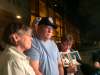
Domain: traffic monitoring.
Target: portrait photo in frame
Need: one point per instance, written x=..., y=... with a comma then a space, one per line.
x=68, y=57
x=75, y=55
x=65, y=58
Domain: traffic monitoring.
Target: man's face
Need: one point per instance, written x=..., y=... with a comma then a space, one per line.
x=46, y=32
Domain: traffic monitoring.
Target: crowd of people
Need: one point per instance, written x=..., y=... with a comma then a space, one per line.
x=29, y=54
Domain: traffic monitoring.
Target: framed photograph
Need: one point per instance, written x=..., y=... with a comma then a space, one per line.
x=68, y=57
x=65, y=57
x=75, y=55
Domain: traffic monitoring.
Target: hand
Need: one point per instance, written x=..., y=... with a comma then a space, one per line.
x=72, y=68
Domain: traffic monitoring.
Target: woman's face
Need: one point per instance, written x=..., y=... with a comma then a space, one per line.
x=64, y=45
x=70, y=45
x=25, y=40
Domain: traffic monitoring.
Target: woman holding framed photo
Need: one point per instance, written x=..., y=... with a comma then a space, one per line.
x=70, y=65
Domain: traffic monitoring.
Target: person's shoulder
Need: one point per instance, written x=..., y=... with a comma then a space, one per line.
x=35, y=40
x=52, y=41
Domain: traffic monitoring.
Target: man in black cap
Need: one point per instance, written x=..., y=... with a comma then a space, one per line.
x=45, y=58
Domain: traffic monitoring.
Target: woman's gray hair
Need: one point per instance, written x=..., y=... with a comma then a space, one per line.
x=12, y=28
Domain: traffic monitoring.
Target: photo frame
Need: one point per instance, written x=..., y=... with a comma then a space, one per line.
x=75, y=55
x=68, y=57
x=65, y=57
x=64, y=54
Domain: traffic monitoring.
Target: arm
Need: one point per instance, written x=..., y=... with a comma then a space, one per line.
x=35, y=66
x=61, y=70
x=60, y=63
x=34, y=54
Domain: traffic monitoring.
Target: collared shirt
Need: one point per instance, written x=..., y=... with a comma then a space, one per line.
x=13, y=62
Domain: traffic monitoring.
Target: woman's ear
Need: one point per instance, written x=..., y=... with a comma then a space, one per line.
x=15, y=38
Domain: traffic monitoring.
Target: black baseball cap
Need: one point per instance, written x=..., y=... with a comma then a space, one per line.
x=47, y=21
